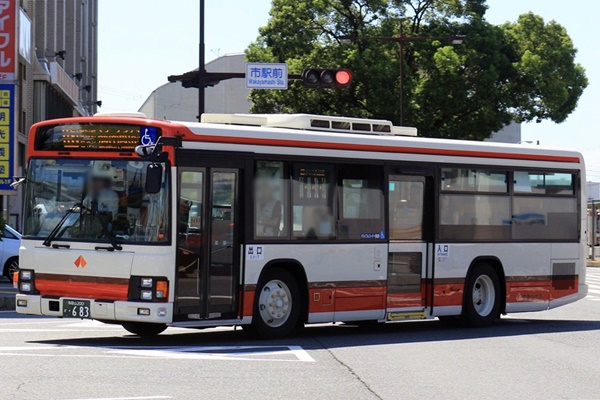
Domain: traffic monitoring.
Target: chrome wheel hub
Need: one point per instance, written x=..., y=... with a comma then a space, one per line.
x=484, y=295
x=275, y=303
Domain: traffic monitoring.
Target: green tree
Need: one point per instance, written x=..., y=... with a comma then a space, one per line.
x=519, y=71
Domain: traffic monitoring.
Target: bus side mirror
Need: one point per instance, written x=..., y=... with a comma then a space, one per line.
x=153, y=178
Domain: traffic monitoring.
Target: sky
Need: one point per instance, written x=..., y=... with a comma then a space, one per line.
x=141, y=42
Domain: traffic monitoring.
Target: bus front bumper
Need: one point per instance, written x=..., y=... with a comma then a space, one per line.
x=121, y=311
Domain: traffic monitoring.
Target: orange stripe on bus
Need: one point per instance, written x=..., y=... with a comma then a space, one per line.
x=86, y=290
x=248, y=303
x=332, y=299
x=399, y=300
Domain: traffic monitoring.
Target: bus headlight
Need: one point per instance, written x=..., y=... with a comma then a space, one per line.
x=146, y=294
x=146, y=282
x=26, y=281
x=148, y=288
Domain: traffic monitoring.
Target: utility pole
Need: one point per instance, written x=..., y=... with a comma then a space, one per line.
x=402, y=40
x=201, y=64
x=401, y=43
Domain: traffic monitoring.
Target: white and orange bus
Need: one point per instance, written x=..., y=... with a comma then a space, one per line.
x=275, y=221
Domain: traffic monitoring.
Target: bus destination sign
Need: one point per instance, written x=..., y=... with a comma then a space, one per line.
x=94, y=137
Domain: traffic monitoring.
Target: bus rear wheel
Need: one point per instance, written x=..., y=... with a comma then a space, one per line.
x=482, y=297
x=144, y=328
x=276, y=306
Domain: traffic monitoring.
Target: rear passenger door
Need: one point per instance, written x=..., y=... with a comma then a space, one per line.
x=410, y=217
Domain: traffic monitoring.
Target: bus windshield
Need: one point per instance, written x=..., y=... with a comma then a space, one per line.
x=94, y=200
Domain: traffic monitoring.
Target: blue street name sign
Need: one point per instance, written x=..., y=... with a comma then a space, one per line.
x=266, y=76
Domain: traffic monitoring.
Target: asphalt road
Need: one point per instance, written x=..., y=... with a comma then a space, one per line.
x=548, y=355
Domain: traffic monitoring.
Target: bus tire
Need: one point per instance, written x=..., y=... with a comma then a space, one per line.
x=144, y=328
x=277, y=305
x=482, y=297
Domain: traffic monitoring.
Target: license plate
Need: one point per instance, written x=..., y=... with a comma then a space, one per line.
x=76, y=308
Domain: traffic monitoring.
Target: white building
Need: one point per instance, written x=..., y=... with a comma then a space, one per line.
x=174, y=102
x=509, y=134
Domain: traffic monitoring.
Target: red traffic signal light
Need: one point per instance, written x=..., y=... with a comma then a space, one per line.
x=326, y=78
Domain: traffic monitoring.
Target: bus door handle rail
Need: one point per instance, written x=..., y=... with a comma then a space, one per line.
x=61, y=246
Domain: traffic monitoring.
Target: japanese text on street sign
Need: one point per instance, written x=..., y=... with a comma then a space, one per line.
x=8, y=16
x=7, y=98
x=266, y=76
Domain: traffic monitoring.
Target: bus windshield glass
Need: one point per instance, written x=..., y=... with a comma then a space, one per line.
x=94, y=200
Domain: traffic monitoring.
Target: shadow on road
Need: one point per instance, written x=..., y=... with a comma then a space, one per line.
x=342, y=336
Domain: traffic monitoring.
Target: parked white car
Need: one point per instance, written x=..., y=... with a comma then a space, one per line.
x=9, y=251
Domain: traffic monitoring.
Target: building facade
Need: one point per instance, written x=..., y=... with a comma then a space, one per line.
x=48, y=69
x=173, y=102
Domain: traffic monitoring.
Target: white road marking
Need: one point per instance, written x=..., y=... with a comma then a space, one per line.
x=127, y=398
x=593, y=281
x=237, y=353
x=12, y=348
x=90, y=324
x=33, y=330
x=229, y=353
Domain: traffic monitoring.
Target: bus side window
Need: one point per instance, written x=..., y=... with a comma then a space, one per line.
x=406, y=209
x=313, y=201
x=270, y=202
x=361, y=202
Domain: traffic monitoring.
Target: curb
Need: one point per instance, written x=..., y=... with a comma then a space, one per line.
x=7, y=302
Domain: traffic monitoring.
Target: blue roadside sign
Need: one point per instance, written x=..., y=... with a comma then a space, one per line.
x=266, y=76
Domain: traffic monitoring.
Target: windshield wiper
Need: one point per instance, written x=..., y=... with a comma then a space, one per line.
x=112, y=239
x=48, y=241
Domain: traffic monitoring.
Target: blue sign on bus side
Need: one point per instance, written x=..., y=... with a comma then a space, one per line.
x=148, y=135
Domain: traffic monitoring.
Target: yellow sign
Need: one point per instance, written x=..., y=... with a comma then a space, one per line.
x=5, y=98
x=399, y=316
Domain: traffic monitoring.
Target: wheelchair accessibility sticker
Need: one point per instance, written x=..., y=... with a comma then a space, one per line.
x=148, y=136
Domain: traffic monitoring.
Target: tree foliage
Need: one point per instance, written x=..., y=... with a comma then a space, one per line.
x=521, y=71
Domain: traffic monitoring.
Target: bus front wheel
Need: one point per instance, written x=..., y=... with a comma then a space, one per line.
x=144, y=328
x=482, y=297
x=276, y=306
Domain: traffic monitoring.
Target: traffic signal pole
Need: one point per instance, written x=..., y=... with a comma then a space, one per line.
x=201, y=64
x=201, y=79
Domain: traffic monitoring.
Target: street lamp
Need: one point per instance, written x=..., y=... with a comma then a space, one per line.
x=402, y=40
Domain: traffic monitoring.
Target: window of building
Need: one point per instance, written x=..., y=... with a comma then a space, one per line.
x=271, y=208
x=312, y=200
x=361, y=202
x=473, y=180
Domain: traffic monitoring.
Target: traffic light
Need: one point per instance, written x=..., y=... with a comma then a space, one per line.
x=326, y=78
